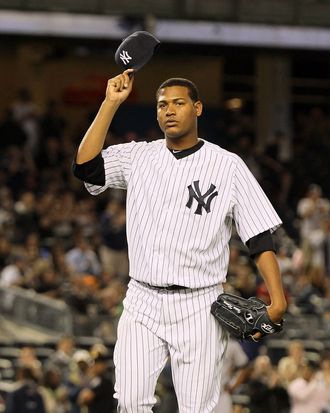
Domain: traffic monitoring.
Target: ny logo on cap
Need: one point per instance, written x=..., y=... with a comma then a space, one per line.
x=125, y=57
x=204, y=201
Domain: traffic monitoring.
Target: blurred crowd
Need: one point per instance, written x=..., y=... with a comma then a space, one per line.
x=298, y=383
x=61, y=242
x=70, y=380
x=81, y=380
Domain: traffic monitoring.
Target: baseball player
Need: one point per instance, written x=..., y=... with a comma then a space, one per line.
x=183, y=193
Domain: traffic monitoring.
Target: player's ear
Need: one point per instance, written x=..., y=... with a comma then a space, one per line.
x=198, y=107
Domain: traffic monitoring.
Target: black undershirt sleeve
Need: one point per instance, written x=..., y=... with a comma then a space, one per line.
x=260, y=243
x=91, y=171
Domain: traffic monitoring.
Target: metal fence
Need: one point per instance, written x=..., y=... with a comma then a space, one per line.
x=26, y=306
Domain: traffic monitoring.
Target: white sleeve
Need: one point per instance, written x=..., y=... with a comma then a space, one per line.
x=252, y=211
x=117, y=166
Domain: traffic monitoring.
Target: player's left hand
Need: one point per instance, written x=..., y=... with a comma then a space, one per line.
x=247, y=318
x=275, y=315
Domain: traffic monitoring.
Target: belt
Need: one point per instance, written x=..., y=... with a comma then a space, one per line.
x=172, y=287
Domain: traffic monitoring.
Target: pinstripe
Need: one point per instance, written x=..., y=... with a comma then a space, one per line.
x=178, y=200
x=197, y=225
x=169, y=243
x=175, y=237
x=195, y=368
x=193, y=350
x=139, y=357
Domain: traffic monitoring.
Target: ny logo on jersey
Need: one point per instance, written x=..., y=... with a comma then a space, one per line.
x=125, y=57
x=204, y=200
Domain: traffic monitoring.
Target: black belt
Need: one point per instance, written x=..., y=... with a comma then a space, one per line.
x=172, y=287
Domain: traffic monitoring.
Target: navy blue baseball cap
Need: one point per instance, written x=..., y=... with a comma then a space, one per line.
x=136, y=50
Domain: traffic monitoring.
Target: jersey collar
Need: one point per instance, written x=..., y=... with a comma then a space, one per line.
x=186, y=152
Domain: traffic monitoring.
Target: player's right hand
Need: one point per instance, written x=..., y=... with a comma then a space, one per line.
x=119, y=87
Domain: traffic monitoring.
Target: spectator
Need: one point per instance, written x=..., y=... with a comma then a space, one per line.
x=80, y=296
x=54, y=394
x=310, y=291
x=85, y=217
x=258, y=385
x=33, y=248
x=52, y=123
x=13, y=274
x=18, y=170
x=62, y=215
x=48, y=282
x=50, y=155
x=312, y=210
x=5, y=252
x=308, y=394
x=284, y=262
x=113, y=231
x=11, y=131
x=26, y=112
x=245, y=281
x=296, y=356
x=266, y=394
x=234, y=373
x=46, y=221
x=98, y=395
x=59, y=262
x=6, y=208
x=62, y=357
x=82, y=259
x=110, y=299
x=26, y=218
x=27, y=358
x=26, y=397
x=78, y=378
x=287, y=371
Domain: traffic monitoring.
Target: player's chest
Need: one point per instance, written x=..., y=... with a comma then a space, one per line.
x=193, y=188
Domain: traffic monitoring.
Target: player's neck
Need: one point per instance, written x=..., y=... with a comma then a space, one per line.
x=180, y=144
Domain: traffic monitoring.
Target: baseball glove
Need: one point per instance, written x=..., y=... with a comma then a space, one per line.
x=242, y=317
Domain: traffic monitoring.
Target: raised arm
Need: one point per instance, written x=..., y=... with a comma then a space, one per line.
x=118, y=89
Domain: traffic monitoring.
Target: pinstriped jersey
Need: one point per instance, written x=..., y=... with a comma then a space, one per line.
x=180, y=211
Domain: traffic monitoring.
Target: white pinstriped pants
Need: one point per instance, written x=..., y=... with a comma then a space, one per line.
x=158, y=324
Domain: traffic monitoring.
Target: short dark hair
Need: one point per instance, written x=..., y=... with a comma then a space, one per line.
x=180, y=81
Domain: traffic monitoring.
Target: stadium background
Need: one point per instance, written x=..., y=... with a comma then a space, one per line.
x=263, y=70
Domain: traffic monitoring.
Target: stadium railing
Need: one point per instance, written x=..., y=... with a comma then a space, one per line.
x=30, y=308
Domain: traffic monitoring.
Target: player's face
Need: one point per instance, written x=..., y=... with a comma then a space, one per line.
x=176, y=112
